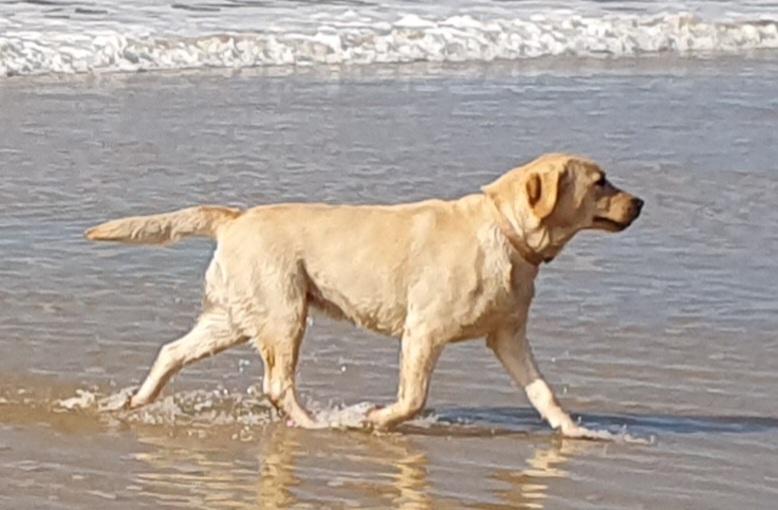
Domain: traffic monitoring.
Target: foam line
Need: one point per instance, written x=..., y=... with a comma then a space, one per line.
x=409, y=38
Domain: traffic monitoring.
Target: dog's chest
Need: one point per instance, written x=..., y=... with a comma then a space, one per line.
x=502, y=293
x=511, y=277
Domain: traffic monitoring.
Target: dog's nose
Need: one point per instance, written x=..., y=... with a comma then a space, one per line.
x=637, y=204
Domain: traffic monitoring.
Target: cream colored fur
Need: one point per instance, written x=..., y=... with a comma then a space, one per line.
x=429, y=273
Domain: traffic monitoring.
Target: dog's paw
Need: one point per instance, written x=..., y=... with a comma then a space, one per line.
x=574, y=431
x=119, y=401
x=371, y=410
x=372, y=416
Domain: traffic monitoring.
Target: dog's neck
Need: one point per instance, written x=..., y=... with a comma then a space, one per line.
x=514, y=239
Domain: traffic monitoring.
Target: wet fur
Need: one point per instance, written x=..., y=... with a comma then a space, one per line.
x=429, y=273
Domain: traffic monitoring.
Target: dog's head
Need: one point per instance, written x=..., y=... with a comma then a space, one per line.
x=550, y=199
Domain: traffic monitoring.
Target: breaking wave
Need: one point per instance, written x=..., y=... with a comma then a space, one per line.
x=351, y=39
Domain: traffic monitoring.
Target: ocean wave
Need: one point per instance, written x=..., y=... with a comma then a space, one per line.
x=410, y=38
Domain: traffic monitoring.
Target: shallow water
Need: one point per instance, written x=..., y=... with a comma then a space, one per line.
x=667, y=329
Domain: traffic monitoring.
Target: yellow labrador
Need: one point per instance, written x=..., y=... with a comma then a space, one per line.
x=429, y=273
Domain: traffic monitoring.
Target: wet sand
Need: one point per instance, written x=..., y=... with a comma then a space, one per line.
x=666, y=329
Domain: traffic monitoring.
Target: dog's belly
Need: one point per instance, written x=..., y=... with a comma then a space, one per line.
x=369, y=314
x=474, y=314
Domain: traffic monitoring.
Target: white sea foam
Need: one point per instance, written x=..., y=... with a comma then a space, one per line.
x=84, y=399
x=361, y=38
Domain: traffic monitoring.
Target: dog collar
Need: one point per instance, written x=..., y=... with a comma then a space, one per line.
x=514, y=240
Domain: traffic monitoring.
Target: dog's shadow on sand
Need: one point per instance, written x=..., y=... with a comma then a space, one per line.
x=510, y=420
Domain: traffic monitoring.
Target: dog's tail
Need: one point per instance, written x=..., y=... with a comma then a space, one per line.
x=167, y=228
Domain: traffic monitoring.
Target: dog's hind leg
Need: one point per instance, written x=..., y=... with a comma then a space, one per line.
x=280, y=349
x=418, y=358
x=277, y=332
x=212, y=333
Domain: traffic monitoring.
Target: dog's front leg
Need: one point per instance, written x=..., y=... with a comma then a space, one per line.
x=512, y=349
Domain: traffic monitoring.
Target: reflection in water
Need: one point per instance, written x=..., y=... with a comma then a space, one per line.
x=186, y=464
x=182, y=475
x=392, y=472
x=305, y=469
x=528, y=488
x=277, y=477
x=412, y=483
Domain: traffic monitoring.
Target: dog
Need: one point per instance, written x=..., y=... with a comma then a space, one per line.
x=429, y=273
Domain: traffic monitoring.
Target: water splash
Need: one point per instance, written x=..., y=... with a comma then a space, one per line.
x=242, y=412
x=344, y=416
x=203, y=408
x=84, y=399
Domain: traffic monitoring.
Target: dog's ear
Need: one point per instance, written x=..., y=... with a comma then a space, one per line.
x=542, y=189
x=539, y=182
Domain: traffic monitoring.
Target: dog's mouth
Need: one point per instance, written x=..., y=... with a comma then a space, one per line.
x=609, y=225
